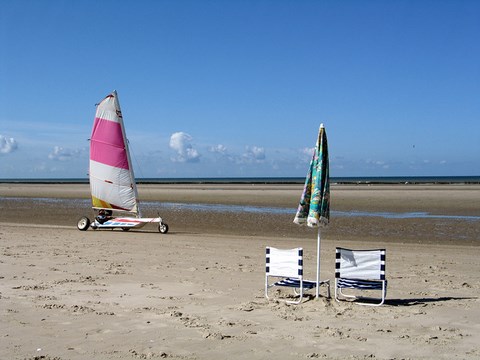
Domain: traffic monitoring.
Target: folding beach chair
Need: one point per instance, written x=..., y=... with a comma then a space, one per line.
x=360, y=270
x=287, y=266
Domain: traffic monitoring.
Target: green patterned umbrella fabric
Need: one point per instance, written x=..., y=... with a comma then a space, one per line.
x=314, y=207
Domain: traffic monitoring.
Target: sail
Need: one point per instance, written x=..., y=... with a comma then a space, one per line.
x=112, y=182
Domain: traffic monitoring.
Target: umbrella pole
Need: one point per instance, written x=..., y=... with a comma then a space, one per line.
x=318, y=264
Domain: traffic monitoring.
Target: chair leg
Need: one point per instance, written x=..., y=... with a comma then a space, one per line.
x=295, y=302
x=326, y=283
x=300, y=294
x=347, y=296
x=335, y=290
x=339, y=295
x=338, y=291
x=382, y=300
x=328, y=288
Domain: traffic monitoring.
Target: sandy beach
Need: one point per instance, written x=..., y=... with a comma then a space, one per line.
x=198, y=291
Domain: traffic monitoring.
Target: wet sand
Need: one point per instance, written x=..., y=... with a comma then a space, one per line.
x=197, y=292
x=35, y=202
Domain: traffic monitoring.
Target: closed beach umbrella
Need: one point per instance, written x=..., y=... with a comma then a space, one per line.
x=314, y=207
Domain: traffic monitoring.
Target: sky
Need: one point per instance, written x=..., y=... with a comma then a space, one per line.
x=239, y=88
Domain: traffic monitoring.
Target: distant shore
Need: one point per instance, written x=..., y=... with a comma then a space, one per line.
x=368, y=180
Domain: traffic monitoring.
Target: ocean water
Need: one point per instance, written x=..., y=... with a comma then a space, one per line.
x=273, y=180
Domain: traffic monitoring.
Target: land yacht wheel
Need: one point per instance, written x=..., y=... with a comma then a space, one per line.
x=163, y=228
x=83, y=223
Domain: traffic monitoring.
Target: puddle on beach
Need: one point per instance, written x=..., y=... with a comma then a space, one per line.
x=258, y=209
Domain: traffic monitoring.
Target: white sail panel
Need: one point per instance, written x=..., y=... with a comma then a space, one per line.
x=109, y=174
x=112, y=181
x=107, y=111
x=112, y=189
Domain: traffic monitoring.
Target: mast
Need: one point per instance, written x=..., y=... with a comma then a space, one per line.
x=127, y=149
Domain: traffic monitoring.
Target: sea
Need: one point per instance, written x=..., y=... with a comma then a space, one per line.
x=270, y=180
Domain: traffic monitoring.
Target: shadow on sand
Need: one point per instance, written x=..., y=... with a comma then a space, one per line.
x=425, y=300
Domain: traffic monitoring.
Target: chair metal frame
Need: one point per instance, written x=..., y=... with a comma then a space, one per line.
x=360, y=270
x=286, y=266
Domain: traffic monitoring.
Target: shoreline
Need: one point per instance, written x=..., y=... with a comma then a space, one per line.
x=351, y=180
x=232, y=208
x=452, y=199
x=447, y=200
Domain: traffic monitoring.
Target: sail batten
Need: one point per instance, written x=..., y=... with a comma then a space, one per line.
x=104, y=142
x=112, y=182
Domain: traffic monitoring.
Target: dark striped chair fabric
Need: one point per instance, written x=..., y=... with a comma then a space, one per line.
x=286, y=266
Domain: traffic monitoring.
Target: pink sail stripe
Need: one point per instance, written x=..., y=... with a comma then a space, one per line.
x=108, y=155
x=106, y=144
x=107, y=131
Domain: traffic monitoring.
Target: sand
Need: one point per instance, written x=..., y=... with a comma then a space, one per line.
x=198, y=291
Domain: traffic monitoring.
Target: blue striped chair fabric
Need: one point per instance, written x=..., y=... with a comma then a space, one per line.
x=295, y=283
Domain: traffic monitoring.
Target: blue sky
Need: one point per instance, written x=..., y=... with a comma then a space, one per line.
x=239, y=88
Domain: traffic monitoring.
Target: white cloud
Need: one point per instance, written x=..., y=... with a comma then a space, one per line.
x=308, y=151
x=218, y=149
x=61, y=154
x=7, y=145
x=180, y=142
x=257, y=152
x=378, y=163
x=306, y=154
x=254, y=154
